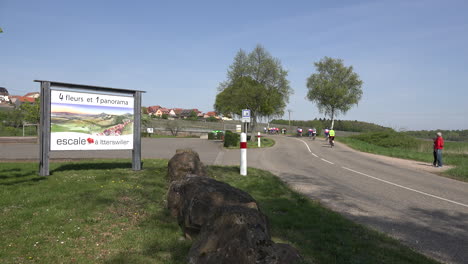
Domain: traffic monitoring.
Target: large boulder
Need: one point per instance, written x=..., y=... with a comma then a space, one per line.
x=239, y=235
x=227, y=221
x=184, y=162
x=193, y=200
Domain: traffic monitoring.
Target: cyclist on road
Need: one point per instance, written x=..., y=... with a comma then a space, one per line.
x=332, y=137
x=326, y=131
x=312, y=133
x=299, y=132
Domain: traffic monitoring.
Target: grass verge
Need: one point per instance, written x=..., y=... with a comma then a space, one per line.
x=402, y=146
x=264, y=143
x=103, y=212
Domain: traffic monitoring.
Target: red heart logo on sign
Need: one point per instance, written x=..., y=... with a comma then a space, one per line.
x=90, y=140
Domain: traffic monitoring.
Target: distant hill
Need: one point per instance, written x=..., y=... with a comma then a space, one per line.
x=341, y=125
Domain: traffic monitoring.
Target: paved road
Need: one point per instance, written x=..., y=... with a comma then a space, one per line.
x=427, y=212
x=157, y=148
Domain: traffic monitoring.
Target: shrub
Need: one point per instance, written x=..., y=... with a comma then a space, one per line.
x=231, y=139
x=211, y=136
x=216, y=134
x=212, y=119
x=220, y=135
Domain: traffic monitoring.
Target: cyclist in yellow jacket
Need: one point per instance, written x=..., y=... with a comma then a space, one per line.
x=331, y=137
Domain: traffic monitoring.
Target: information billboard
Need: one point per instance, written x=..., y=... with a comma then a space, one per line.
x=90, y=121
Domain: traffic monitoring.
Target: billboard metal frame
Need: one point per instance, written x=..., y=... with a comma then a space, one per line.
x=45, y=120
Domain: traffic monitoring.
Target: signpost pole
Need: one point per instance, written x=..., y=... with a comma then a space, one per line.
x=243, y=149
x=259, y=140
x=246, y=119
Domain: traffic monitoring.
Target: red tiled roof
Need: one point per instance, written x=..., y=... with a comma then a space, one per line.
x=165, y=110
x=26, y=99
x=31, y=94
x=177, y=111
x=153, y=109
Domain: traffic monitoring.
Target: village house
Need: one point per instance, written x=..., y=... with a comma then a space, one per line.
x=181, y=113
x=19, y=100
x=178, y=111
x=211, y=114
x=165, y=111
x=153, y=109
x=33, y=95
x=4, y=95
x=186, y=113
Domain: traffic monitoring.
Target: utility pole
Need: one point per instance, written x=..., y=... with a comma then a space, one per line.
x=289, y=111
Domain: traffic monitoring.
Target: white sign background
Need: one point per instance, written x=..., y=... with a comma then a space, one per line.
x=245, y=115
x=81, y=110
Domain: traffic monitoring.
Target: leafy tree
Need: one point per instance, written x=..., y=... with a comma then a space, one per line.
x=14, y=118
x=259, y=76
x=174, y=126
x=244, y=93
x=31, y=111
x=212, y=119
x=335, y=88
x=193, y=116
x=145, y=120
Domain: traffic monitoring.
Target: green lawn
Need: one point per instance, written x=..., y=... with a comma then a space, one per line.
x=264, y=143
x=103, y=212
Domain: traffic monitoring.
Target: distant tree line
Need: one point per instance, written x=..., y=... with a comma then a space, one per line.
x=451, y=135
x=342, y=125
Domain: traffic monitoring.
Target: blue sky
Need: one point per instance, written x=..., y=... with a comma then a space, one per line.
x=411, y=55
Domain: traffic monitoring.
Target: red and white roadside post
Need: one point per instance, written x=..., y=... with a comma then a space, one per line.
x=243, y=151
x=258, y=138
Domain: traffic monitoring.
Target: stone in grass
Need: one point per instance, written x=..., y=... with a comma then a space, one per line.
x=239, y=235
x=184, y=162
x=194, y=200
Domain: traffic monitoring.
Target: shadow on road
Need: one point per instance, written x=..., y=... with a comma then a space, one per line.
x=448, y=243
x=417, y=228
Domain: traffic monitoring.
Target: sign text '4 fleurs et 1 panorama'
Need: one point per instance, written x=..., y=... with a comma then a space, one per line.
x=90, y=121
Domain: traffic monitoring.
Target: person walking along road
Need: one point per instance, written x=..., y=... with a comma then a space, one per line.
x=438, y=146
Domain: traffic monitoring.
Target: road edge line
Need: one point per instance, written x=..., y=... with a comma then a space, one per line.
x=407, y=188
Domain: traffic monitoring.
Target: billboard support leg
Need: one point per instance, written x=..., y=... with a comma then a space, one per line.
x=44, y=131
x=136, y=153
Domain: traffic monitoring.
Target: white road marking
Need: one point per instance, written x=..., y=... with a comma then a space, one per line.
x=391, y=183
x=407, y=188
x=307, y=147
